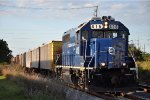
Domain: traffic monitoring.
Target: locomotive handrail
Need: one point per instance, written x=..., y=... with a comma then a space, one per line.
x=89, y=65
x=135, y=64
x=85, y=50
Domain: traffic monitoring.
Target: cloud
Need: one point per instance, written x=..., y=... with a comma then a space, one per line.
x=134, y=12
x=129, y=10
x=119, y=6
x=61, y=9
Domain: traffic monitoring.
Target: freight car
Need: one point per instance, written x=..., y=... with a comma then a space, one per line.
x=94, y=55
x=48, y=55
x=41, y=59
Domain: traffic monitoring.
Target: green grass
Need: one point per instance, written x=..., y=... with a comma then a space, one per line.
x=23, y=86
x=144, y=71
x=9, y=90
x=2, y=77
x=145, y=65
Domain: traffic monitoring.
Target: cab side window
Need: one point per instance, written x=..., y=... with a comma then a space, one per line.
x=97, y=34
x=123, y=34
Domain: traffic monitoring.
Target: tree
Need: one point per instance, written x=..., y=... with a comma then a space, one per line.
x=136, y=52
x=5, y=52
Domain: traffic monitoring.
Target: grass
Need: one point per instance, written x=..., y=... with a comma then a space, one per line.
x=33, y=86
x=9, y=90
x=144, y=71
x=2, y=77
x=144, y=64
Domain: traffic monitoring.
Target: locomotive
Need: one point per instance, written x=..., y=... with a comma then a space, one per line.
x=92, y=56
x=95, y=54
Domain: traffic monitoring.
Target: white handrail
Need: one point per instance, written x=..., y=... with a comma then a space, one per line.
x=89, y=65
x=135, y=65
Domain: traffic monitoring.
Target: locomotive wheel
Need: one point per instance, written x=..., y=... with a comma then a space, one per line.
x=85, y=82
x=115, y=81
x=74, y=79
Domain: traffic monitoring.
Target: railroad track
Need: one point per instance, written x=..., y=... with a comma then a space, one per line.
x=99, y=95
x=144, y=87
x=116, y=95
x=141, y=94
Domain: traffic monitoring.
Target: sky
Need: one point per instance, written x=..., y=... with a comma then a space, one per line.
x=27, y=24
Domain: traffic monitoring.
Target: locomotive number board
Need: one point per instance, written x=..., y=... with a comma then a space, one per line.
x=101, y=26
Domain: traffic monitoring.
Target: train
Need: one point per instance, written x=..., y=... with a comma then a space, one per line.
x=94, y=55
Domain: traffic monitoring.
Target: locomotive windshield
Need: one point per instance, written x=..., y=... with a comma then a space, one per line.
x=85, y=34
x=108, y=34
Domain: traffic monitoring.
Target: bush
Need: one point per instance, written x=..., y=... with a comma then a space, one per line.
x=144, y=71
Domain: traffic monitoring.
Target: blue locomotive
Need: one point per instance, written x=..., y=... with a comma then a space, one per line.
x=95, y=54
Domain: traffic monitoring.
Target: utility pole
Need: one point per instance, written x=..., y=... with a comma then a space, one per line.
x=96, y=11
x=144, y=48
x=138, y=44
x=148, y=42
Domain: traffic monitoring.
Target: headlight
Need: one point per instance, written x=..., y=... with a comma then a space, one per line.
x=105, y=24
x=103, y=64
x=124, y=64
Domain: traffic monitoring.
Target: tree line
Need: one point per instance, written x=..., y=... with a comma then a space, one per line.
x=138, y=54
x=5, y=52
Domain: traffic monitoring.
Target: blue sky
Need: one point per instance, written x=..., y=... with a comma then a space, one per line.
x=27, y=24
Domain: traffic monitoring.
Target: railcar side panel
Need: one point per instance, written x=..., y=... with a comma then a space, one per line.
x=24, y=60
x=28, y=59
x=45, y=57
x=35, y=58
x=17, y=59
x=13, y=60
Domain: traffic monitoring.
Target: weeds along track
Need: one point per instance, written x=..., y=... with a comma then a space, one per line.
x=37, y=84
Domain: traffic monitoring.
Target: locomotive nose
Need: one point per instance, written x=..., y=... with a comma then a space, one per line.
x=108, y=52
x=103, y=51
